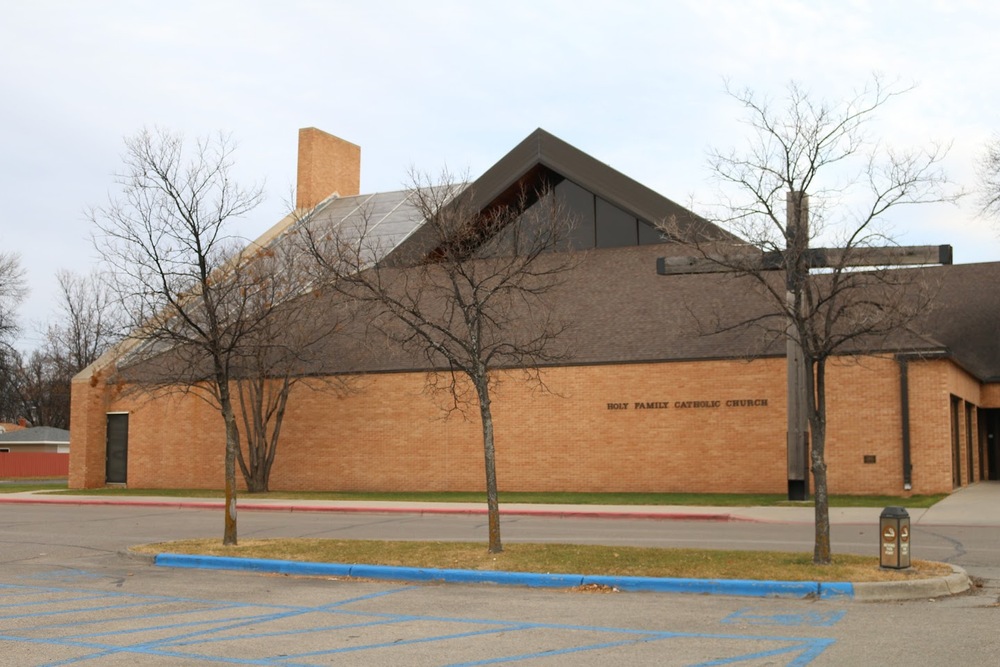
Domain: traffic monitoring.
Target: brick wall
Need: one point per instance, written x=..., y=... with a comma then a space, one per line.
x=390, y=433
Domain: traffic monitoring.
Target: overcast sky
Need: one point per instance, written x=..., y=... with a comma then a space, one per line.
x=639, y=85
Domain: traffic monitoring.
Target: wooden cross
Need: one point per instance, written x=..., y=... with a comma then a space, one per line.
x=797, y=234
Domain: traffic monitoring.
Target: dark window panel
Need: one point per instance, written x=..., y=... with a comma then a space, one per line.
x=615, y=227
x=648, y=234
x=579, y=204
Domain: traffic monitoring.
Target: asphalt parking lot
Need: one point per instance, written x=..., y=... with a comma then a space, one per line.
x=69, y=617
x=70, y=595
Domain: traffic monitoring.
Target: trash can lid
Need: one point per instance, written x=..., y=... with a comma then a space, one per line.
x=894, y=513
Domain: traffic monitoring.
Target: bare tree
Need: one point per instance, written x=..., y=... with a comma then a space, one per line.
x=988, y=171
x=12, y=292
x=11, y=405
x=811, y=167
x=88, y=324
x=471, y=300
x=38, y=385
x=86, y=327
x=43, y=385
x=179, y=271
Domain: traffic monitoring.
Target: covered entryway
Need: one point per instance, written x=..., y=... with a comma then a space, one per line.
x=116, y=469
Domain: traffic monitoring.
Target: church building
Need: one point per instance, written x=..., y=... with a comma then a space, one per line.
x=644, y=400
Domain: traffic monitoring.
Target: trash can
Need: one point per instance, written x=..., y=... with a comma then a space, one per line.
x=894, y=531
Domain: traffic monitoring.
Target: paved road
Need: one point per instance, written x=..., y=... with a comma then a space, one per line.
x=68, y=596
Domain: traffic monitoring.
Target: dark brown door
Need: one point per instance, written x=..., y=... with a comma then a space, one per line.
x=116, y=471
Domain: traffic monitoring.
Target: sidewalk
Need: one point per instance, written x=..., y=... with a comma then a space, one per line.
x=977, y=505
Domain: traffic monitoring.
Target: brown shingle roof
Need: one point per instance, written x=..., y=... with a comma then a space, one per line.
x=964, y=316
x=620, y=311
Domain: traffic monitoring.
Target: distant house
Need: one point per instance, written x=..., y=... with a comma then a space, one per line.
x=41, y=451
x=36, y=439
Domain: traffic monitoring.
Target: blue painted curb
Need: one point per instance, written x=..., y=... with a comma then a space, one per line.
x=836, y=590
x=741, y=587
x=744, y=587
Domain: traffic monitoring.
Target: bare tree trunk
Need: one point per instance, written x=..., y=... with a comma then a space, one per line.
x=248, y=396
x=232, y=445
x=492, y=501
x=817, y=421
x=272, y=449
x=262, y=407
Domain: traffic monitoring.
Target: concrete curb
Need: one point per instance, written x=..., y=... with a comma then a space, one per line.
x=953, y=584
x=734, y=587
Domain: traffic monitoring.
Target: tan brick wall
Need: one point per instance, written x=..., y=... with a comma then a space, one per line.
x=88, y=423
x=864, y=418
x=327, y=165
x=930, y=427
x=990, y=396
x=391, y=434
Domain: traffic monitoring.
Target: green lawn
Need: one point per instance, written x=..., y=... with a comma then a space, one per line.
x=19, y=485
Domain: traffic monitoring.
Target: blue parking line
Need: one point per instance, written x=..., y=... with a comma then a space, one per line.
x=290, y=613
x=809, y=650
x=5, y=593
x=555, y=652
x=74, y=610
x=104, y=650
x=171, y=626
x=290, y=633
x=790, y=619
x=162, y=614
x=408, y=642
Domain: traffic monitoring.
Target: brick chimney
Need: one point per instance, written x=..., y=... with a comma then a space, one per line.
x=327, y=165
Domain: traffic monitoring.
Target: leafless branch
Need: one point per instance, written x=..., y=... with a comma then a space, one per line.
x=988, y=171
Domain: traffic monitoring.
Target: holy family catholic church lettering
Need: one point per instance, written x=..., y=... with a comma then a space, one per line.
x=682, y=405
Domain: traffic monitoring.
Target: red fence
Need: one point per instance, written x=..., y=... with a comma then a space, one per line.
x=33, y=464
